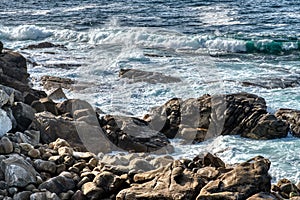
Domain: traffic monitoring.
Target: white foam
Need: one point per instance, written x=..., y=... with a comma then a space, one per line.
x=25, y=32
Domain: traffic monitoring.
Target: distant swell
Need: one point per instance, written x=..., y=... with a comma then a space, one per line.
x=25, y=32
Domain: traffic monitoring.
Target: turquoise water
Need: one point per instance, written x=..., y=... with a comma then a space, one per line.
x=212, y=46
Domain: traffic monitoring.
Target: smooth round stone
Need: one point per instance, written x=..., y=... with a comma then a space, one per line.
x=34, y=153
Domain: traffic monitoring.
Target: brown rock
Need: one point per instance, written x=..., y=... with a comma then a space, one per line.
x=242, y=182
x=144, y=76
x=6, y=146
x=52, y=82
x=292, y=117
x=173, y=181
x=262, y=196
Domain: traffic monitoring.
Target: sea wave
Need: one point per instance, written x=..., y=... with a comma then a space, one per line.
x=24, y=32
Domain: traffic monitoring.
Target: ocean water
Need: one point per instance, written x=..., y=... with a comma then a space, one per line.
x=214, y=47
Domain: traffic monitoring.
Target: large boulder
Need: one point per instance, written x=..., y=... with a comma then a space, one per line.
x=245, y=180
x=79, y=134
x=18, y=172
x=14, y=71
x=174, y=181
x=208, y=116
x=134, y=134
x=291, y=117
x=23, y=114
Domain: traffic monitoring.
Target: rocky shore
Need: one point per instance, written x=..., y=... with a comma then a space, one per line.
x=51, y=150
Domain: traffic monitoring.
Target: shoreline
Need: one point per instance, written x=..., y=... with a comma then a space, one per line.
x=44, y=137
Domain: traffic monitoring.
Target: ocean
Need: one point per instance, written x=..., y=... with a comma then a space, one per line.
x=214, y=47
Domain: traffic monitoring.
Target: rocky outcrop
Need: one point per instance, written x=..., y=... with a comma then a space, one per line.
x=50, y=82
x=143, y=76
x=43, y=45
x=291, y=117
x=203, y=178
x=208, y=116
x=133, y=134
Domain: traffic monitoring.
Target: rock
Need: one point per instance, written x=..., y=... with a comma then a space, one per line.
x=110, y=182
x=18, y=172
x=44, y=196
x=91, y=190
x=144, y=76
x=140, y=164
x=267, y=127
x=1, y=47
x=45, y=166
x=245, y=180
x=52, y=82
x=29, y=136
x=23, y=114
x=4, y=98
x=262, y=196
x=287, y=189
x=58, y=184
x=43, y=45
x=292, y=117
x=133, y=134
x=6, y=146
x=78, y=133
x=25, y=195
x=33, y=95
x=14, y=71
x=196, y=120
x=5, y=122
x=44, y=104
x=173, y=181
x=212, y=161
x=57, y=94
x=13, y=95
x=74, y=105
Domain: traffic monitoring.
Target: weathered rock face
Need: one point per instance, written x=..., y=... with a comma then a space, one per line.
x=24, y=114
x=14, y=71
x=208, y=116
x=174, y=181
x=133, y=134
x=58, y=184
x=144, y=76
x=43, y=45
x=203, y=178
x=245, y=180
x=50, y=82
x=18, y=172
x=292, y=117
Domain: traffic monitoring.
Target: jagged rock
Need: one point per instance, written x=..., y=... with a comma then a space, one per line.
x=196, y=120
x=14, y=71
x=91, y=190
x=133, y=134
x=72, y=105
x=292, y=117
x=174, y=181
x=24, y=114
x=1, y=47
x=43, y=45
x=245, y=180
x=6, y=146
x=29, y=136
x=18, y=172
x=5, y=122
x=144, y=76
x=58, y=184
x=4, y=98
x=44, y=196
x=45, y=104
x=52, y=82
x=78, y=133
x=57, y=94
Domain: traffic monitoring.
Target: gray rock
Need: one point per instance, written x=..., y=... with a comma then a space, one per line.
x=18, y=172
x=24, y=114
x=5, y=123
x=6, y=146
x=25, y=195
x=58, y=184
x=4, y=98
x=45, y=166
x=44, y=196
